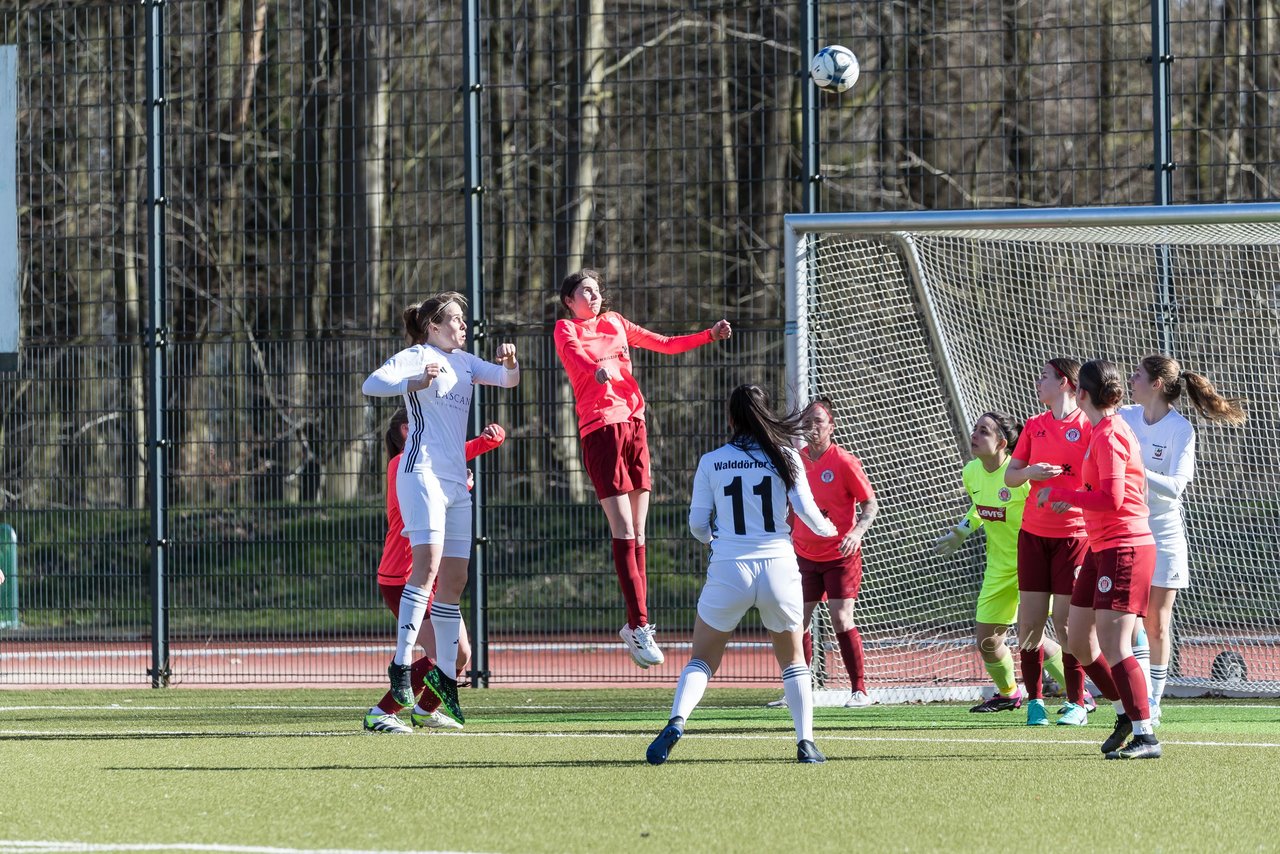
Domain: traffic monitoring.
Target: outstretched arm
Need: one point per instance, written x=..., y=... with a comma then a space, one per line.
x=638, y=336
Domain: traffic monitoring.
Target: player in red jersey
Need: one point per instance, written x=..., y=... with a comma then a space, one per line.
x=1051, y=546
x=393, y=573
x=595, y=347
x=1114, y=584
x=831, y=568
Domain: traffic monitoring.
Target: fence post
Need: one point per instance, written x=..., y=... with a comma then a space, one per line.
x=1162, y=164
x=471, y=119
x=810, y=159
x=157, y=346
x=9, y=589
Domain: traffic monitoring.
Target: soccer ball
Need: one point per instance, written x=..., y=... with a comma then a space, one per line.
x=834, y=68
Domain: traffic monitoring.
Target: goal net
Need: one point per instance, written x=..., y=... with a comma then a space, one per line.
x=915, y=324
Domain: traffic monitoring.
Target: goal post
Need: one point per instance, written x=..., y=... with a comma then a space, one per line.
x=915, y=323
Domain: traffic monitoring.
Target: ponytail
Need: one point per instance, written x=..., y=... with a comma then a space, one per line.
x=1211, y=405
x=395, y=442
x=754, y=423
x=419, y=316
x=1101, y=379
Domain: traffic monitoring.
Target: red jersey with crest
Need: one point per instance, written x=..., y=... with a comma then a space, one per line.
x=1114, y=493
x=839, y=485
x=604, y=341
x=1046, y=439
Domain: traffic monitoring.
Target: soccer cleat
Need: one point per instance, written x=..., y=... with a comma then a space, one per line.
x=808, y=753
x=641, y=645
x=374, y=722
x=1073, y=715
x=1089, y=704
x=857, y=700
x=1000, y=703
x=660, y=749
x=401, y=676
x=1140, y=747
x=1123, y=729
x=1036, y=715
x=780, y=703
x=447, y=690
x=433, y=720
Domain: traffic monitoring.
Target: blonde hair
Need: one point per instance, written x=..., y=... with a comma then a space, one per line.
x=1211, y=405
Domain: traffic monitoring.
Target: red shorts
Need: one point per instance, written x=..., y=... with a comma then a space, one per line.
x=1116, y=579
x=391, y=594
x=838, y=579
x=617, y=458
x=1049, y=564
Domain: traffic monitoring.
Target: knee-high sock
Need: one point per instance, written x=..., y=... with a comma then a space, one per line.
x=447, y=621
x=1159, y=675
x=1033, y=672
x=797, y=687
x=1100, y=672
x=807, y=643
x=1142, y=652
x=1133, y=692
x=851, y=650
x=631, y=581
x=1053, y=666
x=1074, y=673
x=421, y=668
x=413, y=612
x=1002, y=674
x=690, y=688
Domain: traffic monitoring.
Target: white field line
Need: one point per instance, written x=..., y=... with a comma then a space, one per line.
x=823, y=737
x=14, y=846
x=128, y=706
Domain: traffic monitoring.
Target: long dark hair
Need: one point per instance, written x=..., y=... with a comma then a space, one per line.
x=1008, y=428
x=1102, y=380
x=753, y=422
x=1211, y=404
x=395, y=442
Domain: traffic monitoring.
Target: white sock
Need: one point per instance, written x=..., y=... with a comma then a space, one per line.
x=1142, y=727
x=446, y=619
x=1119, y=707
x=1142, y=652
x=418, y=710
x=690, y=688
x=377, y=710
x=797, y=687
x=1159, y=675
x=413, y=610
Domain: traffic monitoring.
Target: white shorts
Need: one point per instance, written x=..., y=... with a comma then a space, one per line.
x=435, y=512
x=770, y=585
x=1173, y=570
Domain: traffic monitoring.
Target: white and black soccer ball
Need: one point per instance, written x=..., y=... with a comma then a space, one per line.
x=834, y=68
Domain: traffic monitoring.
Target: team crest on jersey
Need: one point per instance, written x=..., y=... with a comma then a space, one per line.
x=1157, y=452
x=1004, y=493
x=1104, y=584
x=828, y=476
x=1073, y=435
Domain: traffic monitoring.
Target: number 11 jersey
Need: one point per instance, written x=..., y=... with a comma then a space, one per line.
x=739, y=504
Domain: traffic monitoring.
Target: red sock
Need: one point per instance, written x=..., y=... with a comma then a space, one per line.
x=421, y=668
x=1100, y=672
x=630, y=580
x=851, y=649
x=1133, y=688
x=1033, y=672
x=1075, y=678
x=807, y=643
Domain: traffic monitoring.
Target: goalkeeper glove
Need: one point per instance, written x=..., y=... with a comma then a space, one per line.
x=948, y=543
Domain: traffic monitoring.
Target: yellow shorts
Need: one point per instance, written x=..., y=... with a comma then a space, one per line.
x=998, y=599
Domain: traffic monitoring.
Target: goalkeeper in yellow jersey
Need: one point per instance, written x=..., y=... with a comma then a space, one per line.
x=998, y=508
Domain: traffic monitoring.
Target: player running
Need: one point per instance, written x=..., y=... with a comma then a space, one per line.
x=1051, y=546
x=831, y=569
x=1169, y=455
x=436, y=377
x=1114, y=584
x=393, y=572
x=595, y=348
x=739, y=506
x=999, y=509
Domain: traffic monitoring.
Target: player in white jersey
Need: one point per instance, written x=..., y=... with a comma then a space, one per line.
x=739, y=506
x=1169, y=456
x=436, y=377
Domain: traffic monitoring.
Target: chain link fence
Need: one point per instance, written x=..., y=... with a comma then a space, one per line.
x=323, y=163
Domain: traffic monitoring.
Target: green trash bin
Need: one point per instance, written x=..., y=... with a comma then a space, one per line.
x=9, y=566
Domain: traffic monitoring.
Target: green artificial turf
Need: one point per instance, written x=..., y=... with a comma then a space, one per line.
x=563, y=771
